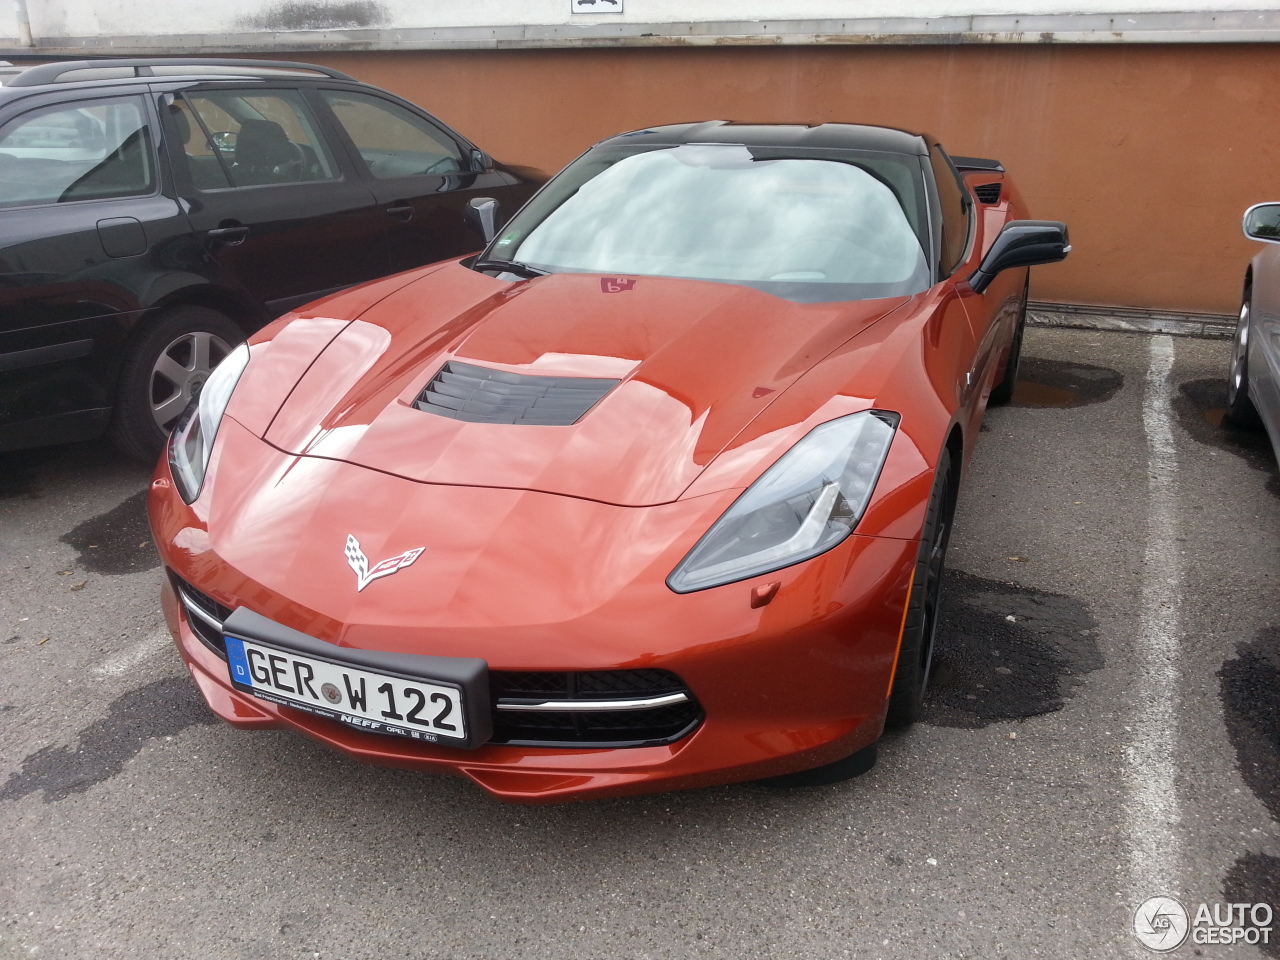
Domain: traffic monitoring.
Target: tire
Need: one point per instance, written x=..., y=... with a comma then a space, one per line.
x=915, y=654
x=1002, y=392
x=1240, y=409
x=165, y=366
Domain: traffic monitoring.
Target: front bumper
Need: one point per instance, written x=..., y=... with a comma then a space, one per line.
x=794, y=684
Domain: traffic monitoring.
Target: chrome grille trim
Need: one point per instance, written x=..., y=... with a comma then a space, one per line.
x=589, y=706
x=195, y=609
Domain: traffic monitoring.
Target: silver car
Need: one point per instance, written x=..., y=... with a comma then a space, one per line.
x=1253, y=387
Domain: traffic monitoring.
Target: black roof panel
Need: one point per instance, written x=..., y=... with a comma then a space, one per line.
x=843, y=136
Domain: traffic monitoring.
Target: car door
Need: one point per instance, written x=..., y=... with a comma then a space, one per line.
x=991, y=313
x=953, y=336
x=83, y=212
x=272, y=202
x=1264, y=338
x=421, y=174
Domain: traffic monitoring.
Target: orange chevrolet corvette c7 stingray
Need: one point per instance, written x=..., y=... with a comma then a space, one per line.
x=653, y=493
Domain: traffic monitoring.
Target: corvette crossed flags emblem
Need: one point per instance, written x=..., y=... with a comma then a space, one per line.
x=360, y=563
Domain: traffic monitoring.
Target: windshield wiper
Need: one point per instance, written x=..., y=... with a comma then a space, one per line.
x=509, y=266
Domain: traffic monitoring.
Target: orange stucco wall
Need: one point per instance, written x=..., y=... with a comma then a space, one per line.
x=1150, y=153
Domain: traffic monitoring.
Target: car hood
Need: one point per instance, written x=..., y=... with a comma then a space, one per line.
x=694, y=361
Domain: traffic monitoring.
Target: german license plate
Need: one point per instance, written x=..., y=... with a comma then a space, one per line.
x=364, y=699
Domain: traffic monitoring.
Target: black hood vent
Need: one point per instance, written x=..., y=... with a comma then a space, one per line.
x=480, y=395
x=988, y=192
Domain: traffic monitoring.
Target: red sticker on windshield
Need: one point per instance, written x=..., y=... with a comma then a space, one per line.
x=616, y=284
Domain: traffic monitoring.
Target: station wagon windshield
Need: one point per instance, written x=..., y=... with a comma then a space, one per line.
x=843, y=226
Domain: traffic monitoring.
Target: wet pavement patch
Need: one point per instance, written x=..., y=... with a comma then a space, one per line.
x=1200, y=406
x=1250, y=692
x=160, y=709
x=1249, y=686
x=1059, y=383
x=1255, y=878
x=1006, y=652
x=118, y=541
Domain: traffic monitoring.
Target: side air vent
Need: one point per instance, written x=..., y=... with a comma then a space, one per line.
x=480, y=395
x=204, y=614
x=988, y=192
x=605, y=708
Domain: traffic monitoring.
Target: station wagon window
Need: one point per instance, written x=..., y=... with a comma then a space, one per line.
x=248, y=139
x=94, y=150
x=392, y=141
x=954, y=199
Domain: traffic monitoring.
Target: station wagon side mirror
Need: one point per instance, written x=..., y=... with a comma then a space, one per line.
x=482, y=216
x=480, y=161
x=1022, y=243
x=1262, y=222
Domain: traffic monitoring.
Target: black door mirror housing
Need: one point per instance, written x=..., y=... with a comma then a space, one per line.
x=482, y=216
x=1022, y=243
x=480, y=161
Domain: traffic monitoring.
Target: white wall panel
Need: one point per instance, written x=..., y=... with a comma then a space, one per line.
x=126, y=25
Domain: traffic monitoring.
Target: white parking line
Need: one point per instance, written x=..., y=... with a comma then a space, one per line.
x=1152, y=813
x=134, y=656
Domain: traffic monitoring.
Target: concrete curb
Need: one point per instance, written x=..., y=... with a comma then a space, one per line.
x=1213, y=326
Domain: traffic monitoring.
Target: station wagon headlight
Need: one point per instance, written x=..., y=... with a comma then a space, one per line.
x=193, y=437
x=803, y=505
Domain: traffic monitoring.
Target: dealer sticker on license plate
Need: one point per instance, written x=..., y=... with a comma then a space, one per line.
x=370, y=701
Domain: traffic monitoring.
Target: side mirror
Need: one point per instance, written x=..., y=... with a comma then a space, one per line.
x=1262, y=222
x=1022, y=243
x=482, y=216
x=480, y=161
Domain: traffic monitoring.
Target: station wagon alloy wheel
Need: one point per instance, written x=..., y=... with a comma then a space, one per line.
x=180, y=371
x=166, y=365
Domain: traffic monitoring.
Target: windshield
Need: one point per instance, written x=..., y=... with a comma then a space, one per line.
x=842, y=225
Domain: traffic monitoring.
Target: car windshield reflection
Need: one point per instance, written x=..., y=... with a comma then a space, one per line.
x=805, y=228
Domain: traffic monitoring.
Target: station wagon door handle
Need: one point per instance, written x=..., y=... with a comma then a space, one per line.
x=401, y=211
x=229, y=235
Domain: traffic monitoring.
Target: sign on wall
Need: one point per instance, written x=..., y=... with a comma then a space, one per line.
x=596, y=6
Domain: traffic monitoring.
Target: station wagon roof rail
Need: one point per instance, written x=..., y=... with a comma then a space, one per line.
x=46, y=73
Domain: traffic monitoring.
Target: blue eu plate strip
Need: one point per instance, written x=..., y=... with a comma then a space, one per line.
x=238, y=662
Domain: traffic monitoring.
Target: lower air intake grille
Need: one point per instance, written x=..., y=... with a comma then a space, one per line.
x=209, y=626
x=480, y=395
x=653, y=707
x=988, y=192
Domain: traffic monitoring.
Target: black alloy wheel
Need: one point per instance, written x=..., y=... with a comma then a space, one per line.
x=164, y=369
x=915, y=655
x=1240, y=409
x=1002, y=392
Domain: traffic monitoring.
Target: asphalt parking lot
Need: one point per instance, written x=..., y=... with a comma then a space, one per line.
x=1105, y=727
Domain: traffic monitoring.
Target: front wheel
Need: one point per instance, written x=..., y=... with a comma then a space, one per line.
x=1240, y=409
x=166, y=365
x=915, y=653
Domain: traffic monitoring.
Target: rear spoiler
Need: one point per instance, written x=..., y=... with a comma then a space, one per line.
x=970, y=164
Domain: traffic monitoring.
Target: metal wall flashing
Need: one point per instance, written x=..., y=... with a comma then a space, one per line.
x=1250, y=26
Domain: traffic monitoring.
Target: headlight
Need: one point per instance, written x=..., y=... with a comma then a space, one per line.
x=802, y=506
x=196, y=430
